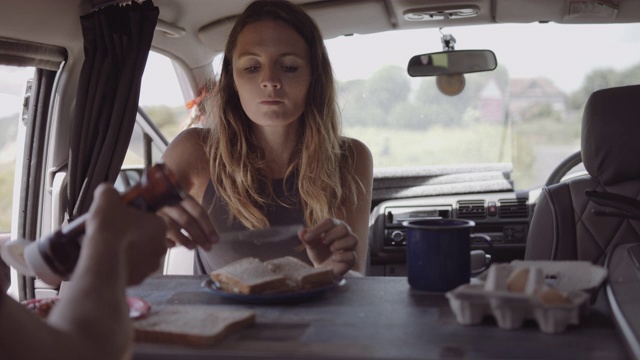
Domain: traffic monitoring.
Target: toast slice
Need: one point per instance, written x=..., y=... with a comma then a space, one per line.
x=249, y=276
x=299, y=274
x=191, y=325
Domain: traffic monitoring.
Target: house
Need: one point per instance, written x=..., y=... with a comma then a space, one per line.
x=527, y=96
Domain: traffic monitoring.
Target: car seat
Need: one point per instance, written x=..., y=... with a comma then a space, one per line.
x=563, y=226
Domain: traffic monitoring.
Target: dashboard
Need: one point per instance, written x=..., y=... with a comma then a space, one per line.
x=503, y=216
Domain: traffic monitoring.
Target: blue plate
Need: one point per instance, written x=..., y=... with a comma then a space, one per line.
x=273, y=298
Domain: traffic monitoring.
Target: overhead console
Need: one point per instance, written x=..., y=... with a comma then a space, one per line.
x=503, y=216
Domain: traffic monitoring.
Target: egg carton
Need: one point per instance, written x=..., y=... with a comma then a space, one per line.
x=553, y=293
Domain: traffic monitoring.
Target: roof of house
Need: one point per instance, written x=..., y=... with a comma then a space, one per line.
x=535, y=87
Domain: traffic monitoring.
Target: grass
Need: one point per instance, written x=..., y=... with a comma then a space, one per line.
x=436, y=146
x=481, y=143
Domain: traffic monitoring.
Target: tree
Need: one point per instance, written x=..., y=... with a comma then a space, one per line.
x=369, y=102
x=9, y=126
x=454, y=110
x=602, y=79
x=356, y=108
x=385, y=88
x=162, y=115
x=631, y=76
x=596, y=80
x=408, y=115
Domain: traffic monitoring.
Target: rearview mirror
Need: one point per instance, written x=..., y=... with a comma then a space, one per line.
x=452, y=62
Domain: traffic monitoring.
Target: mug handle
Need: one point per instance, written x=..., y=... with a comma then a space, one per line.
x=487, y=239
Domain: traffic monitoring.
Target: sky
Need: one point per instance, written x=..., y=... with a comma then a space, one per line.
x=513, y=46
x=546, y=54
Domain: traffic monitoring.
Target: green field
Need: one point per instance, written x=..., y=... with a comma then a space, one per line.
x=482, y=143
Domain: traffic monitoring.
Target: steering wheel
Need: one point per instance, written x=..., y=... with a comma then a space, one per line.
x=563, y=168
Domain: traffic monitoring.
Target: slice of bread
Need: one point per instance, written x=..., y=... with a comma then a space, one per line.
x=299, y=274
x=191, y=325
x=248, y=276
x=252, y=276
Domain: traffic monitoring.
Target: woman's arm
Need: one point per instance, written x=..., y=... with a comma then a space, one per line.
x=358, y=219
x=343, y=244
x=186, y=156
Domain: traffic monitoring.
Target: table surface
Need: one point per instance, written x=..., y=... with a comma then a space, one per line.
x=375, y=318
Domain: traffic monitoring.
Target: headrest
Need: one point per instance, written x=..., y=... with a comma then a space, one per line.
x=611, y=135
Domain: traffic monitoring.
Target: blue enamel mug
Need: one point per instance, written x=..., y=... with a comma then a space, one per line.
x=438, y=253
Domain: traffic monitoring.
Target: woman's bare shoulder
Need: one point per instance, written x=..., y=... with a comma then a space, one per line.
x=193, y=136
x=187, y=157
x=359, y=151
x=188, y=143
x=362, y=160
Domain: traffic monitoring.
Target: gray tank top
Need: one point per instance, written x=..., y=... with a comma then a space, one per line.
x=286, y=211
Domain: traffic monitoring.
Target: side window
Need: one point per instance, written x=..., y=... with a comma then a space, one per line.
x=147, y=144
x=161, y=97
x=163, y=116
x=13, y=82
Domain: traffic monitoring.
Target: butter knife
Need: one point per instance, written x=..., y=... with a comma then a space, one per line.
x=261, y=236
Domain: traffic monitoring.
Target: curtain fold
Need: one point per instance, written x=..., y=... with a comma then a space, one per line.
x=117, y=40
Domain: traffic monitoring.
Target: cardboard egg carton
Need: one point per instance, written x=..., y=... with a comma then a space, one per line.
x=553, y=293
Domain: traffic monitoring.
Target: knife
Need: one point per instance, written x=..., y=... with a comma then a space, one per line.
x=261, y=236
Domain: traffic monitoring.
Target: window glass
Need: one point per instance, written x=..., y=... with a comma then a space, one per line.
x=161, y=97
x=527, y=112
x=135, y=153
x=12, y=86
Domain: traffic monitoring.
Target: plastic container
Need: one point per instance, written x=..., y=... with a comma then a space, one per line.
x=553, y=293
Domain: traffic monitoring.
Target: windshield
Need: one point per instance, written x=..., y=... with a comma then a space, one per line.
x=527, y=112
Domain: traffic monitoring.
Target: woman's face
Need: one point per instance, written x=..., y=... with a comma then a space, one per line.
x=271, y=71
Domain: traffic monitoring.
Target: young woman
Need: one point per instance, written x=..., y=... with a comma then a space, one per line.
x=275, y=154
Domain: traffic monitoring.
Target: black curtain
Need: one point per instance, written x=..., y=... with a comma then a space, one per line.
x=117, y=40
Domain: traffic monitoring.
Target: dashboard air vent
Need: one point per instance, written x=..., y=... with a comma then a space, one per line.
x=471, y=209
x=513, y=208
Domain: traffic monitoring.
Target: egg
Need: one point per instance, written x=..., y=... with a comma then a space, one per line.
x=517, y=280
x=550, y=296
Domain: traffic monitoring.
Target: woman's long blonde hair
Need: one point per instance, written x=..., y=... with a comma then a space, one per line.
x=322, y=161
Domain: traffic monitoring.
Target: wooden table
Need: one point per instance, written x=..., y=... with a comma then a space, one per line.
x=375, y=318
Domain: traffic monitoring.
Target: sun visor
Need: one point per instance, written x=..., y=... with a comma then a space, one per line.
x=521, y=11
x=566, y=12
x=334, y=21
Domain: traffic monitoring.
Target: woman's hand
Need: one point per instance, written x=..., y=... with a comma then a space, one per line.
x=331, y=243
x=188, y=224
